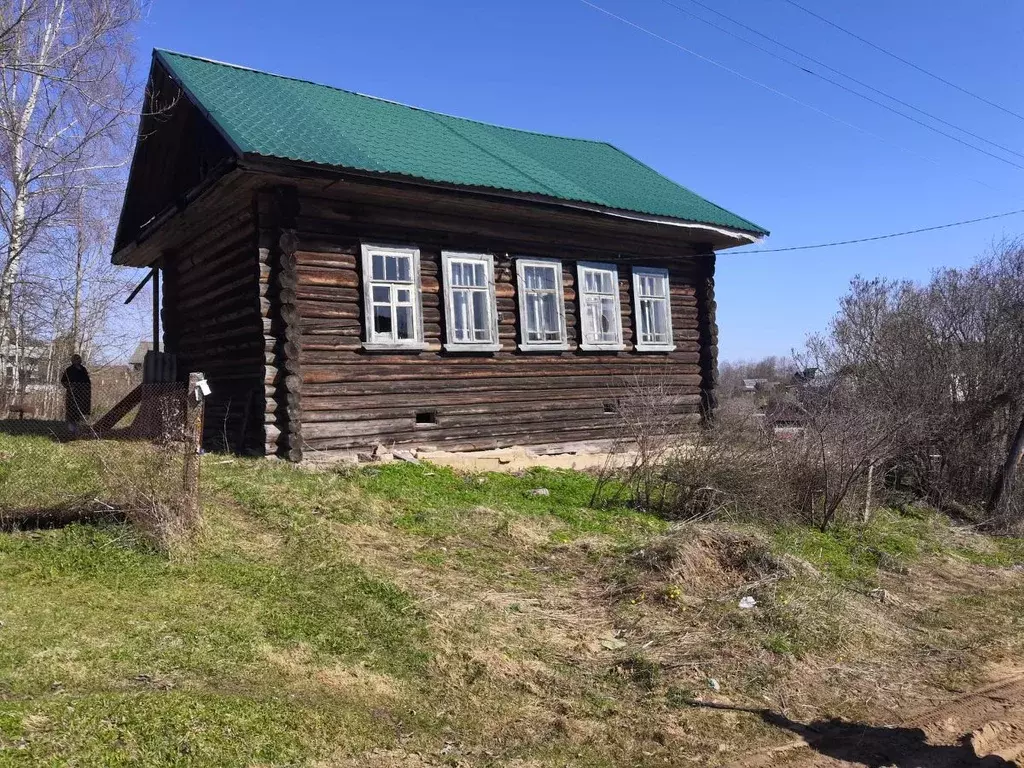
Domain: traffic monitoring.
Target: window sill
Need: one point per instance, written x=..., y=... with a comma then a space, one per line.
x=602, y=347
x=654, y=347
x=543, y=347
x=472, y=347
x=386, y=346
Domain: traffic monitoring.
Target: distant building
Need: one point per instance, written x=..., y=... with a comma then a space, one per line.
x=138, y=357
x=28, y=355
x=750, y=386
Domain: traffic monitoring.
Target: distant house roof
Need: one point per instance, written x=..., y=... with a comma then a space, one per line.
x=750, y=385
x=280, y=117
x=139, y=355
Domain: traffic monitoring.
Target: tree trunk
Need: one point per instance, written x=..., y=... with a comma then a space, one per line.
x=1007, y=476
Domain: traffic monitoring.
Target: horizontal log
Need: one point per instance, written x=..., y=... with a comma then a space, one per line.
x=460, y=401
x=472, y=437
x=484, y=414
x=327, y=309
x=319, y=276
x=687, y=382
x=326, y=260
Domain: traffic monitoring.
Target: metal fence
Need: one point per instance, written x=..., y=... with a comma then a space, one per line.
x=103, y=446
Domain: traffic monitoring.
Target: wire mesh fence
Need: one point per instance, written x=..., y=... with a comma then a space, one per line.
x=102, y=447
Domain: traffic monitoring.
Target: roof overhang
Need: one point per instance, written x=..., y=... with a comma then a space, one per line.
x=717, y=236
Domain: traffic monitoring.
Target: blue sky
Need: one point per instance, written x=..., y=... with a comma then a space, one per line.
x=560, y=66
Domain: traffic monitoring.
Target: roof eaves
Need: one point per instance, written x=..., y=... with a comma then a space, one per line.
x=750, y=236
x=754, y=228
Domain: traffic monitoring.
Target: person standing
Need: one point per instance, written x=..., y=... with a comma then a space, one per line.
x=77, y=394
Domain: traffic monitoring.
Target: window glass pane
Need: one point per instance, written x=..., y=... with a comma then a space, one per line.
x=390, y=267
x=530, y=278
x=382, y=319
x=607, y=319
x=549, y=316
x=481, y=315
x=531, y=320
x=460, y=315
x=378, y=266
x=539, y=278
x=403, y=323
x=382, y=293
x=403, y=295
x=404, y=269
x=660, y=321
x=590, y=321
x=480, y=275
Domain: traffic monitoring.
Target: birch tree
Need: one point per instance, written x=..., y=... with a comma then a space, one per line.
x=66, y=113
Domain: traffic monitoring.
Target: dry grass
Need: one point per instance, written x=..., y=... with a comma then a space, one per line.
x=415, y=617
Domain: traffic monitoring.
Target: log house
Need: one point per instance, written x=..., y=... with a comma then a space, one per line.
x=349, y=272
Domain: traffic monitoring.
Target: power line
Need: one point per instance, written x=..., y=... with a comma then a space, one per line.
x=900, y=59
x=776, y=91
x=851, y=78
x=882, y=237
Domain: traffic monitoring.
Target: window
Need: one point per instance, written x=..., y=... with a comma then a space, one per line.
x=470, y=308
x=391, y=297
x=541, y=305
x=599, y=306
x=653, y=313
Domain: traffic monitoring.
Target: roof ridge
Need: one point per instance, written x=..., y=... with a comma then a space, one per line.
x=377, y=98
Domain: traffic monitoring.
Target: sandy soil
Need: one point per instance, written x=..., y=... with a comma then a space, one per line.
x=980, y=729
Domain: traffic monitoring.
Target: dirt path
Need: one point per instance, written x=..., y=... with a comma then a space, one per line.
x=981, y=729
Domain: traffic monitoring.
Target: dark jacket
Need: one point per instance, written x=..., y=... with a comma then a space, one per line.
x=78, y=392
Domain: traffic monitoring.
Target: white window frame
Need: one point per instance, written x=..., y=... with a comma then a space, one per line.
x=639, y=344
x=540, y=346
x=451, y=345
x=581, y=293
x=375, y=340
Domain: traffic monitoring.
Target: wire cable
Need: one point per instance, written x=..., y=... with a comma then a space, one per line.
x=776, y=91
x=851, y=78
x=881, y=237
x=900, y=59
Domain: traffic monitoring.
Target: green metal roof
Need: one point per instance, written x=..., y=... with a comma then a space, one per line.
x=281, y=117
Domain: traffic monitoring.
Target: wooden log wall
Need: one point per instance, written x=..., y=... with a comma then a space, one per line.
x=281, y=377
x=211, y=318
x=353, y=399
x=707, y=330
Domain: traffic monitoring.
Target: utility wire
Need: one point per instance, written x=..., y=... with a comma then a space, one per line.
x=776, y=91
x=900, y=59
x=841, y=74
x=881, y=237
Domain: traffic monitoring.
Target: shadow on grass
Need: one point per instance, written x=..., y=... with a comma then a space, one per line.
x=58, y=517
x=874, y=746
x=58, y=431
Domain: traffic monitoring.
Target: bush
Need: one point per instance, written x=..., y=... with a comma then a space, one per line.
x=737, y=466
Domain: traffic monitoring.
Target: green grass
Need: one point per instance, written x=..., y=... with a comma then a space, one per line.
x=24, y=487
x=334, y=615
x=855, y=553
x=431, y=500
x=87, y=611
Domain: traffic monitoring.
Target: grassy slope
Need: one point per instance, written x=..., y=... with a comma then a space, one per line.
x=407, y=615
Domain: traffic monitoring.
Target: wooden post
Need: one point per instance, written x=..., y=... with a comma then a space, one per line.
x=156, y=308
x=870, y=491
x=194, y=401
